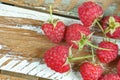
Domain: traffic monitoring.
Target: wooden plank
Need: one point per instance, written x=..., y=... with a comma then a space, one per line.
x=14, y=21
x=25, y=37
x=30, y=67
x=23, y=41
x=7, y=77
x=47, y=73
x=65, y=7
x=37, y=69
x=3, y=60
x=19, y=75
x=10, y=65
x=20, y=66
x=44, y=72
x=12, y=11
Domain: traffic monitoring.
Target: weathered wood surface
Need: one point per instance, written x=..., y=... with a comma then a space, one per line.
x=24, y=42
x=16, y=21
x=32, y=70
x=68, y=7
x=6, y=77
x=20, y=31
x=18, y=37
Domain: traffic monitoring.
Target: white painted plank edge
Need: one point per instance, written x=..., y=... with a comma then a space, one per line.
x=4, y=59
x=46, y=73
x=7, y=10
x=29, y=67
x=20, y=66
x=37, y=69
x=58, y=76
x=10, y=65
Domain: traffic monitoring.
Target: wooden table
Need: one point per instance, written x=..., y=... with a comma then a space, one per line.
x=21, y=45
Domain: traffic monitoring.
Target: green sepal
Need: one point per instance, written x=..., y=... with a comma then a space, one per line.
x=112, y=25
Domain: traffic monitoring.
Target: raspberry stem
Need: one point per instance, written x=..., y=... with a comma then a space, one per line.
x=93, y=58
x=88, y=43
x=51, y=18
x=100, y=27
x=80, y=58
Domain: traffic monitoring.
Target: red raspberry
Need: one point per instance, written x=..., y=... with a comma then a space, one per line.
x=90, y=71
x=106, y=56
x=112, y=28
x=88, y=12
x=54, y=33
x=56, y=57
x=73, y=33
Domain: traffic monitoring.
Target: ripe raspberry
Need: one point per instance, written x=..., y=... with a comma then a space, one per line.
x=73, y=33
x=111, y=25
x=110, y=77
x=54, y=33
x=56, y=57
x=54, y=29
x=90, y=71
x=88, y=12
x=106, y=56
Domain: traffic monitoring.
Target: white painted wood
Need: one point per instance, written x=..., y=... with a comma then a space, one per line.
x=20, y=66
x=34, y=68
x=10, y=65
x=37, y=69
x=4, y=59
x=29, y=67
x=6, y=10
x=57, y=75
x=41, y=72
x=67, y=77
x=47, y=72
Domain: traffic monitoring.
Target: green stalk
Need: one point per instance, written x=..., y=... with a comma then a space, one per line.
x=79, y=58
x=51, y=18
x=93, y=58
x=101, y=28
x=96, y=46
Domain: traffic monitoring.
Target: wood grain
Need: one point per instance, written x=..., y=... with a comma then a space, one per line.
x=6, y=77
x=13, y=21
x=17, y=76
x=71, y=5
x=57, y=3
x=24, y=42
